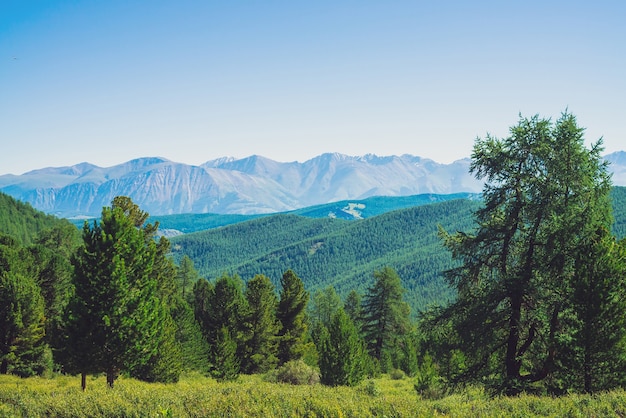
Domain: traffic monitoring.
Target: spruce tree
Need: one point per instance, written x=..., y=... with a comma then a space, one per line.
x=292, y=316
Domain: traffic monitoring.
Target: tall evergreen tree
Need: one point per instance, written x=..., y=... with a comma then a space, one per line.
x=22, y=320
x=353, y=307
x=292, y=316
x=325, y=303
x=545, y=193
x=221, y=306
x=385, y=314
x=227, y=365
x=115, y=320
x=261, y=326
x=165, y=364
x=186, y=276
x=596, y=352
x=341, y=352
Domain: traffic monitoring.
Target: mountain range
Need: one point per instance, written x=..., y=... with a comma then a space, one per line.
x=252, y=185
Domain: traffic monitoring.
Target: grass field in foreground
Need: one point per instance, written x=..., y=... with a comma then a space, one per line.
x=250, y=396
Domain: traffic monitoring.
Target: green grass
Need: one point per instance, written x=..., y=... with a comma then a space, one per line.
x=197, y=396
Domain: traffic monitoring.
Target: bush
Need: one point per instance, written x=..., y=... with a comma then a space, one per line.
x=397, y=374
x=295, y=372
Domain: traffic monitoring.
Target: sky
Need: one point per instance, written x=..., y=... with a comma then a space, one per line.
x=109, y=81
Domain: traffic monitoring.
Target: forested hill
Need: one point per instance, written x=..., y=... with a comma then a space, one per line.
x=326, y=251
x=342, y=253
x=22, y=221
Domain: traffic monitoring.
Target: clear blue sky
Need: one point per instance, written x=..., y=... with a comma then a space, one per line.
x=108, y=81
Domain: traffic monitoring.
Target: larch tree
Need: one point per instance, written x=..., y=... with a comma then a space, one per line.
x=325, y=302
x=385, y=315
x=545, y=193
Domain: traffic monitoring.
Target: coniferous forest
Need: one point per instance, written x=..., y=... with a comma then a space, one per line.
x=519, y=294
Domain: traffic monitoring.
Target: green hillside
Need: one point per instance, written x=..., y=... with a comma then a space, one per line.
x=345, y=209
x=325, y=251
x=343, y=253
x=618, y=196
x=22, y=221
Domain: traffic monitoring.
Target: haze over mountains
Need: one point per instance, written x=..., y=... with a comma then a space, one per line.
x=244, y=186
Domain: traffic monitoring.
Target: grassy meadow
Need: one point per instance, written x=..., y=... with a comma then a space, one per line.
x=250, y=396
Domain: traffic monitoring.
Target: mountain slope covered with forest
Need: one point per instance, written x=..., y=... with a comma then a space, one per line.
x=345, y=253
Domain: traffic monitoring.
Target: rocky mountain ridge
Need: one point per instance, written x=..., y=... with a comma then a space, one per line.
x=243, y=186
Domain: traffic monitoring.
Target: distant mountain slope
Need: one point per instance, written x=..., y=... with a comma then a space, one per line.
x=345, y=209
x=22, y=222
x=252, y=185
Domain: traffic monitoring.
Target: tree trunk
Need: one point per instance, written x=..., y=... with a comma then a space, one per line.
x=111, y=375
x=4, y=367
x=511, y=362
x=83, y=381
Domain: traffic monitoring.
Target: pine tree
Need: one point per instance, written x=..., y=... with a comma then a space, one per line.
x=115, y=320
x=220, y=305
x=292, y=316
x=225, y=351
x=22, y=320
x=341, y=352
x=261, y=326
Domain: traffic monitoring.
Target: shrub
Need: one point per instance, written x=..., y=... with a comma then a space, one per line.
x=295, y=372
x=397, y=374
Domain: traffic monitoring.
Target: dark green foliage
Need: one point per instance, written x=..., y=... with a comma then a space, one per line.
x=51, y=255
x=292, y=316
x=324, y=304
x=23, y=222
x=115, y=320
x=353, y=307
x=226, y=362
x=385, y=316
x=618, y=201
x=545, y=194
x=595, y=355
x=221, y=306
x=186, y=276
x=261, y=326
x=22, y=326
x=337, y=252
x=193, y=346
x=366, y=208
x=341, y=352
